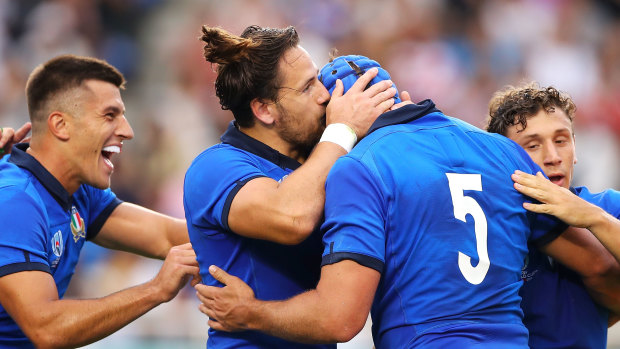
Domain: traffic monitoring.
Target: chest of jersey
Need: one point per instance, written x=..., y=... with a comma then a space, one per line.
x=66, y=235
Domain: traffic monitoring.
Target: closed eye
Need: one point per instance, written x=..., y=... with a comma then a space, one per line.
x=532, y=146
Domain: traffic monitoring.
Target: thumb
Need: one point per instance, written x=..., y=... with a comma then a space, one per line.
x=219, y=275
x=338, y=89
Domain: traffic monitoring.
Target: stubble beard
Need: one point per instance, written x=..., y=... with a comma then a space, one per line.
x=302, y=140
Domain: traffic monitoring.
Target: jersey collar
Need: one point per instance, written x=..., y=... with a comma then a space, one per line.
x=242, y=141
x=26, y=161
x=404, y=114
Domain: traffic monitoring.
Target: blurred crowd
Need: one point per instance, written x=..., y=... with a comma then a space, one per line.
x=456, y=52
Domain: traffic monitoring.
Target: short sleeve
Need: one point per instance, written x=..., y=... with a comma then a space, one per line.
x=211, y=184
x=101, y=204
x=355, y=216
x=22, y=236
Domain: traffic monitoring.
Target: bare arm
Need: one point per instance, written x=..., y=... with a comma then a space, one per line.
x=139, y=230
x=570, y=208
x=578, y=248
x=287, y=212
x=334, y=312
x=8, y=137
x=31, y=298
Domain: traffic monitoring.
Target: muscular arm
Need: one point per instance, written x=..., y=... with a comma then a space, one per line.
x=599, y=271
x=591, y=246
x=334, y=312
x=139, y=230
x=577, y=249
x=604, y=226
x=31, y=298
x=287, y=212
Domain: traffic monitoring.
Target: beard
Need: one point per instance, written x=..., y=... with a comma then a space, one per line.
x=303, y=140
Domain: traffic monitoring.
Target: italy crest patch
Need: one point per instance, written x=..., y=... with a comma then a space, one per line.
x=77, y=225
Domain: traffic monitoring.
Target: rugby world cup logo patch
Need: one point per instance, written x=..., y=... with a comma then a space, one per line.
x=77, y=225
x=57, y=244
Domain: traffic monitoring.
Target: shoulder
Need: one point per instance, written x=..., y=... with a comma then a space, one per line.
x=608, y=199
x=220, y=156
x=21, y=201
x=218, y=168
x=16, y=183
x=13, y=175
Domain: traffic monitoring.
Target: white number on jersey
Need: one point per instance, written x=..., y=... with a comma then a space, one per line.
x=462, y=206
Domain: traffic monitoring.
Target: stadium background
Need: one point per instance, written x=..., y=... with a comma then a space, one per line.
x=456, y=52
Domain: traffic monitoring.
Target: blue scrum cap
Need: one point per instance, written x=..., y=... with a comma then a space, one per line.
x=349, y=69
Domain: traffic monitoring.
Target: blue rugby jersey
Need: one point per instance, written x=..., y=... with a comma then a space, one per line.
x=558, y=310
x=273, y=271
x=43, y=227
x=427, y=201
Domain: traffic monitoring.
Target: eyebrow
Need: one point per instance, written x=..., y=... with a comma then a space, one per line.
x=561, y=131
x=310, y=79
x=114, y=109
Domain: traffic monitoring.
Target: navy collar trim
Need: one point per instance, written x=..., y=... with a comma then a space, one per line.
x=242, y=141
x=404, y=114
x=26, y=161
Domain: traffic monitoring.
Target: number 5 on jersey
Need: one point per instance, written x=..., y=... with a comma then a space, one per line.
x=464, y=205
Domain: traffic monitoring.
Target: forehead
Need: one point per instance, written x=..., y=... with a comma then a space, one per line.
x=542, y=124
x=296, y=67
x=101, y=94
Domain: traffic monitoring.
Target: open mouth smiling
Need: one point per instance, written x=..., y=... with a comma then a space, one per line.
x=107, y=153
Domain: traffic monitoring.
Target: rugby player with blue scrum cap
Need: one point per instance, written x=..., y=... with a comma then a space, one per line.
x=348, y=69
x=54, y=195
x=423, y=229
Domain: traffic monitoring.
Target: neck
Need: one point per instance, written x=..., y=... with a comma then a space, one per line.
x=55, y=163
x=271, y=138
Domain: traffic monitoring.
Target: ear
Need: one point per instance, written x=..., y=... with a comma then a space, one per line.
x=263, y=111
x=58, y=126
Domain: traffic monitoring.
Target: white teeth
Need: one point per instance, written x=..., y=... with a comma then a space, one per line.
x=112, y=149
x=108, y=162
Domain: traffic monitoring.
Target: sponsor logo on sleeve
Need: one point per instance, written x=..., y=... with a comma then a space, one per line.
x=58, y=247
x=57, y=244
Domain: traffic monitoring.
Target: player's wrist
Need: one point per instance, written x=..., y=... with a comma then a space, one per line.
x=341, y=134
x=155, y=291
x=598, y=220
x=254, y=315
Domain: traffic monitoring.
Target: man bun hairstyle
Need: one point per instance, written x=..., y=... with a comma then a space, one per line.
x=247, y=65
x=514, y=105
